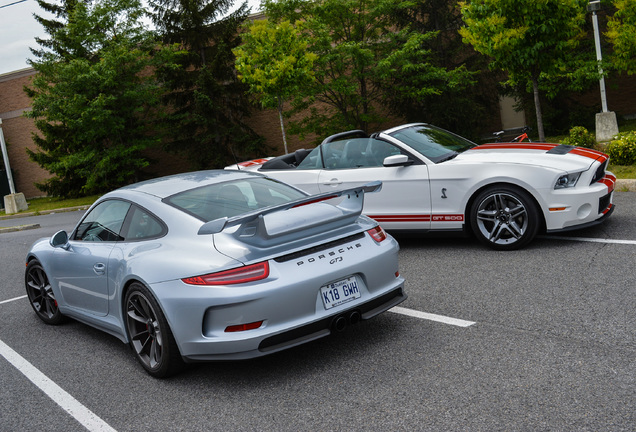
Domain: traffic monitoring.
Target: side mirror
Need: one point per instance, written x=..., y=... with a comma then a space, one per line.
x=397, y=160
x=59, y=239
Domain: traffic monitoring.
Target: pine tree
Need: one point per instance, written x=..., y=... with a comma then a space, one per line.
x=93, y=100
x=210, y=109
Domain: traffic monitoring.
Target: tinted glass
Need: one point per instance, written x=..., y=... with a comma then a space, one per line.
x=233, y=198
x=142, y=226
x=312, y=161
x=104, y=222
x=349, y=153
x=434, y=143
x=366, y=153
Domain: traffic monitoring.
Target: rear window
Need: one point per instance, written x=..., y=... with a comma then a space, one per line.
x=233, y=198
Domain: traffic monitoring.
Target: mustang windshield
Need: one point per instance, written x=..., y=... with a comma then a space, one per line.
x=434, y=143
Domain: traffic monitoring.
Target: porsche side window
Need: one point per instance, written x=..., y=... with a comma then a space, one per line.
x=103, y=223
x=143, y=226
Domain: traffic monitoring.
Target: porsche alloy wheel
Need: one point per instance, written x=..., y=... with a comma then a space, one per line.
x=504, y=217
x=41, y=295
x=150, y=336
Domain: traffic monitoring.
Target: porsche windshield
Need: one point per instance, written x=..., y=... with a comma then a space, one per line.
x=434, y=143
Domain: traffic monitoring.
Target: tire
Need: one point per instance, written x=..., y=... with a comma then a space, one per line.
x=504, y=217
x=41, y=295
x=150, y=337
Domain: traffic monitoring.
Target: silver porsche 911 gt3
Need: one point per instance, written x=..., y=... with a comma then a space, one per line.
x=216, y=265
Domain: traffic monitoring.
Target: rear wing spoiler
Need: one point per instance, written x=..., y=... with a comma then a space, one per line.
x=267, y=224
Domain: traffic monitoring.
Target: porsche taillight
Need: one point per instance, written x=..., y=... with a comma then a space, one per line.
x=377, y=234
x=235, y=276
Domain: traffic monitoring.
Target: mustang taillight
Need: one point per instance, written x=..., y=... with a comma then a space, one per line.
x=239, y=275
x=377, y=234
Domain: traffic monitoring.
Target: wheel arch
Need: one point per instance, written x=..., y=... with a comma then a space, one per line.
x=476, y=192
x=122, y=304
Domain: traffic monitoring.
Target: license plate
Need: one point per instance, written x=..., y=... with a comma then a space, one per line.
x=340, y=292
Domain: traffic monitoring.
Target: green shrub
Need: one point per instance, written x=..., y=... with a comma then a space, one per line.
x=579, y=136
x=622, y=149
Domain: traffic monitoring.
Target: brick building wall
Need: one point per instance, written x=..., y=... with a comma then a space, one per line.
x=17, y=131
x=621, y=96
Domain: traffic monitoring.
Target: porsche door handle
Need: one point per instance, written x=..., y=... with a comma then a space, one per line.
x=99, y=268
x=333, y=182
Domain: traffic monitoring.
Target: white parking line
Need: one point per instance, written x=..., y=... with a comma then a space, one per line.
x=592, y=240
x=431, y=317
x=71, y=405
x=13, y=299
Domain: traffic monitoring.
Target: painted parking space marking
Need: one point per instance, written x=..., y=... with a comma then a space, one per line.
x=57, y=394
x=592, y=240
x=68, y=403
x=13, y=299
x=431, y=317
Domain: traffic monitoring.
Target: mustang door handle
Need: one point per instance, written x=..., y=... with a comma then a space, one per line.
x=99, y=268
x=333, y=182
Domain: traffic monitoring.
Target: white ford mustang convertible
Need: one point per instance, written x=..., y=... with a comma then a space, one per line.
x=434, y=180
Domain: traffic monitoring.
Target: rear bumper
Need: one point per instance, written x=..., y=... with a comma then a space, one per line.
x=268, y=344
x=337, y=322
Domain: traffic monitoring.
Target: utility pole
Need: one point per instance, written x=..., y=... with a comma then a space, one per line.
x=606, y=124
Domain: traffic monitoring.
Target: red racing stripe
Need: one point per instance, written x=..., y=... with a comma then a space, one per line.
x=418, y=218
x=589, y=153
x=610, y=181
x=252, y=162
x=580, y=151
x=517, y=146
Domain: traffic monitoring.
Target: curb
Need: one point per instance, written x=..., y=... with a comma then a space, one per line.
x=34, y=226
x=44, y=212
x=625, y=185
x=19, y=228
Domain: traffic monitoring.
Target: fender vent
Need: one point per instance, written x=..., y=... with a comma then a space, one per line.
x=561, y=149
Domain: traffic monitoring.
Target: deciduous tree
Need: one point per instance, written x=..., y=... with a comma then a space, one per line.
x=364, y=54
x=534, y=41
x=275, y=63
x=622, y=34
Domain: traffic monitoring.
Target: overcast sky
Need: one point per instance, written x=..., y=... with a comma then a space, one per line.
x=18, y=30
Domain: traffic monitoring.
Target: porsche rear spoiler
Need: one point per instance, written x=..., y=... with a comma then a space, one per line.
x=295, y=215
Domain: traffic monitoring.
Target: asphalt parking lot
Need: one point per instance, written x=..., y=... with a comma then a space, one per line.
x=538, y=339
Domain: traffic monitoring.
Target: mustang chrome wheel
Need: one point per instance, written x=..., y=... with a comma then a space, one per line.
x=150, y=335
x=41, y=295
x=504, y=218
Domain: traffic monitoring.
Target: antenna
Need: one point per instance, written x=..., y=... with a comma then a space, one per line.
x=238, y=167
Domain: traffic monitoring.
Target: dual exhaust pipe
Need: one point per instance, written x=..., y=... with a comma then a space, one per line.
x=342, y=321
